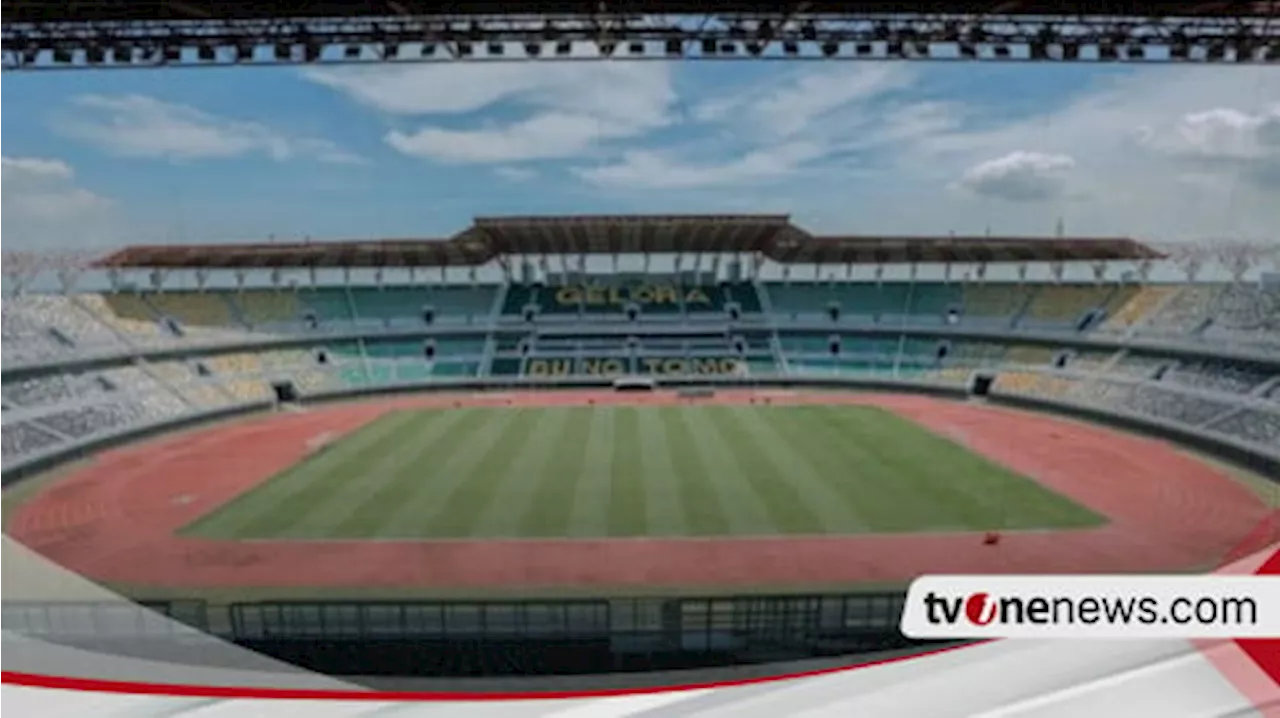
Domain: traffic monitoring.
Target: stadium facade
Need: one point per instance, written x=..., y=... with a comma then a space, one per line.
x=179, y=332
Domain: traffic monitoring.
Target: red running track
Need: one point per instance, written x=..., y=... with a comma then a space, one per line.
x=115, y=519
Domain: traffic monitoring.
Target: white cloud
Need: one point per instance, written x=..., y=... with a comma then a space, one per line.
x=653, y=170
x=43, y=205
x=1019, y=176
x=515, y=174
x=543, y=136
x=1225, y=133
x=145, y=127
x=805, y=100
x=1225, y=138
x=1159, y=153
x=569, y=109
x=799, y=122
x=35, y=169
x=1149, y=152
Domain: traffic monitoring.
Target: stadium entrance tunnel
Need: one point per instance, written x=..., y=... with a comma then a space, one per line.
x=285, y=391
x=980, y=385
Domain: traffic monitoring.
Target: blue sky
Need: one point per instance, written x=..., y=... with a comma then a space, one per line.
x=109, y=157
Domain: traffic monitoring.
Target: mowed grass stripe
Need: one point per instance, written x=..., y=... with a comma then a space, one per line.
x=962, y=485
x=460, y=511
x=353, y=504
x=590, y=515
x=550, y=511
x=746, y=509
x=516, y=489
x=940, y=483
x=891, y=463
x=816, y=486
x=391, y=490
x=703, y=510
x=788, y=508
x=419, y=515
x=859, y=485
x=259, y=508
x=639, y=471
x=628, y=512
x=1002, y=497
x=664, y=509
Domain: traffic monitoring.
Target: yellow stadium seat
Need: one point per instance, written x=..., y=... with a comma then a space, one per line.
x=1065, y=303
x=126, y=313
x=266, y=307
x=994, y=300
x=194, y=309
x=1029, y=355
x=1136, y=306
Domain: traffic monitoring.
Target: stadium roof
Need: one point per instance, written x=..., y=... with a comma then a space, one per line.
x=772, y=235
x=25, y=11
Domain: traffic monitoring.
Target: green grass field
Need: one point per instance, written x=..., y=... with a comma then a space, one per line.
x=638, y=471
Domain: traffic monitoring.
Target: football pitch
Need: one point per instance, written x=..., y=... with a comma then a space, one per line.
x=637, y=471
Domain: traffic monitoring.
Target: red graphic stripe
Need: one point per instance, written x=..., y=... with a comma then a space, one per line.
x=1266, y=652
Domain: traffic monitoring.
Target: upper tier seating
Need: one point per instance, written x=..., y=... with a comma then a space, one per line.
x=42, y=327
x=266, y=308
x=1142, y=302
x=887, y=301
x=194, y=311
x=1183, y=312
x=1055, y=305
x=126, y=313
x=996, y=301
x=1246, y=314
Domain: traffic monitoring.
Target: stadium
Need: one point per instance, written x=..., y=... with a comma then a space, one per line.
x=581, y=410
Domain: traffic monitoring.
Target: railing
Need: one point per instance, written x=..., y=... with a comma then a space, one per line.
x=745, y=625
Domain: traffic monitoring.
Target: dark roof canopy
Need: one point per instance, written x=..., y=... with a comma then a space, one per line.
x=132, y=10
x=772, y=235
